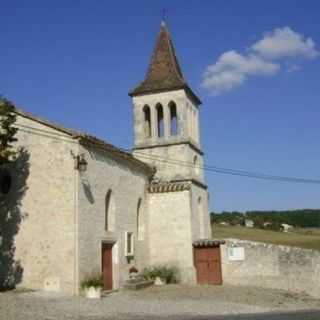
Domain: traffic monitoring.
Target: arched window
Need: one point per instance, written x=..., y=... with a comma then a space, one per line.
x=147, y=121
x=200, y=217
x=191, y=123
x=196, y=165
x=109, y=220
x=140, y=225
x=160, y=120
x=173, y=119
x=194, y=125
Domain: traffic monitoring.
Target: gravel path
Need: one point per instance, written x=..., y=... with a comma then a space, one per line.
x=172, y=300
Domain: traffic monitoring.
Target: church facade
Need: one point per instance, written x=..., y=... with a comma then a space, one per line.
x=89, y=206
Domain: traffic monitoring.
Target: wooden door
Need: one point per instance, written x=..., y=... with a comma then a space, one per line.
x=201, y=264
x=214, y=259
x=107, y=266
x=208, y=265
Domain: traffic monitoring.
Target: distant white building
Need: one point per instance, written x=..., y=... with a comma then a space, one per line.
x=249, y=223
x=286, y=227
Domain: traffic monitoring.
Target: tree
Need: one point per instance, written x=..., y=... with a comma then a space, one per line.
x=7, y=131
x=14, y=172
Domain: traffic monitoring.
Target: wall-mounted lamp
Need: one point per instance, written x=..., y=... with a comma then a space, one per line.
x=81, y=163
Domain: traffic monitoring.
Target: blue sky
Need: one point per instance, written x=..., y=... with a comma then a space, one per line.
x=73, y=62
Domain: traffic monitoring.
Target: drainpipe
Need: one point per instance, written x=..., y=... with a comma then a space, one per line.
x=75, y=222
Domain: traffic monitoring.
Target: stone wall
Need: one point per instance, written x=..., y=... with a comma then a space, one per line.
x=272, y=266
x=127, y=184
x=45, y=238
x=169, y=231
x=170, y=162
x=58, y=241
x=200, y=219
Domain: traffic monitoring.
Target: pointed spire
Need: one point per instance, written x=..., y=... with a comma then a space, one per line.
x=164, y=72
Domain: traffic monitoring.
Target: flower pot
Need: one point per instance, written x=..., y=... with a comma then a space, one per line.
x=93, y=293
x=133, y=275
x=159, y=282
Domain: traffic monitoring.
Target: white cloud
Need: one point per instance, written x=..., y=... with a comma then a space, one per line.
x=262, y=58
x=293, y=68
x=232, y=69
x=284, y=42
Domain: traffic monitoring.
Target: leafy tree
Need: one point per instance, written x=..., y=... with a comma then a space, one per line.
x=7, y=131
x=14, y=166
x=304, y=218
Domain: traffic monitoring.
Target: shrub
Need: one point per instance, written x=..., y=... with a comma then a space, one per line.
x=169, y=274
x=94, y=280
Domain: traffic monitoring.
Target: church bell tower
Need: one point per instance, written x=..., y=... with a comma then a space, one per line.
x=166, y=117
x=166, y=136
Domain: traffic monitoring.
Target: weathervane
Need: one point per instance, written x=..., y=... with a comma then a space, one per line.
x=164, y=12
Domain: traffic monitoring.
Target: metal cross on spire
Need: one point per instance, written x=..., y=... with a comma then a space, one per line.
x=164, y=12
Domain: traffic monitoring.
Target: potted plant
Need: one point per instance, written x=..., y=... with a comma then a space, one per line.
x=92, y=286
x=133, y=271
x=161, y=274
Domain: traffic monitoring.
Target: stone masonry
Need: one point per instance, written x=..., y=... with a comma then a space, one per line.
x=45, y=243
x=273, y=266
x=157, y=194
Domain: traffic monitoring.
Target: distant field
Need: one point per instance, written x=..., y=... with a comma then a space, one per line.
x=303, y=238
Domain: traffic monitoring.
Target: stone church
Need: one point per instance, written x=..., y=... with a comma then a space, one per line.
x=89, y=206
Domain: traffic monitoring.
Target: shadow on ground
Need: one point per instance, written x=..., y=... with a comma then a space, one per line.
x=11, y=216
x=295, y=315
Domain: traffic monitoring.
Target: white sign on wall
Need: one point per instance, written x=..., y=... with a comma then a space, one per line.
x=236, y=254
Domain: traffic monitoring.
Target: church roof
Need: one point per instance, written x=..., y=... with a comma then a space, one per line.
x=168, y=186
x=207, y=243
x=87, y=139
x=164, y=72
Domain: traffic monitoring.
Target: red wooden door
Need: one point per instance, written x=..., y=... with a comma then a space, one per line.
x=208, y=265
x=107, y=266
x=201, y=263
x=214, y=259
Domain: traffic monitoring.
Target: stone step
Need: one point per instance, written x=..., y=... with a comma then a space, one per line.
x=138, y=284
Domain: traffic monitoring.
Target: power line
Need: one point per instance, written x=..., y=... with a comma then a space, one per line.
x=45, y=133
x=235, y=172
x=171, y=161
x=228, y=171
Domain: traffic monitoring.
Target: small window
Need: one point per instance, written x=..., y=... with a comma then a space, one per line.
x=173, y=119
x=129, y=244
x=147, y=121
x=140, y=226
x=200, y=217
x=109, y=220
x=196, y=165
x=193, y=123
x=190, y=122
x=5, y=182
x=160, y=120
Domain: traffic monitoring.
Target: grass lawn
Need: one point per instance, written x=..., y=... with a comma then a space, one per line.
x=308, y=239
